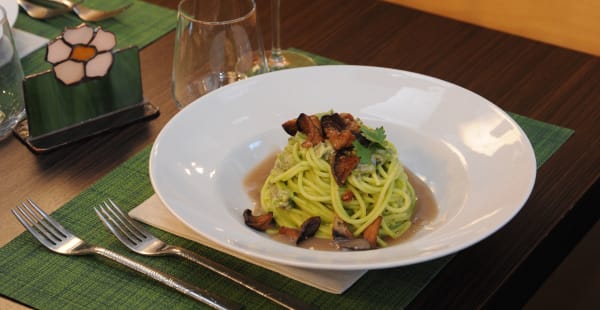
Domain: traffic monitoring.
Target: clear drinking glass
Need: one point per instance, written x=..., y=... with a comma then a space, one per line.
x=217, y=42
x=278, y=58
x=12, y=105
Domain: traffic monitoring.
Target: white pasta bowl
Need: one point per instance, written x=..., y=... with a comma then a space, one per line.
x=476, y=160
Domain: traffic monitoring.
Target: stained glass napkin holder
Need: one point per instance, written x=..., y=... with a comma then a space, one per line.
x=90, y=89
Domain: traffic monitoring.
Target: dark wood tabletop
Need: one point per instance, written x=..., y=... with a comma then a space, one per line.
x=537, y=80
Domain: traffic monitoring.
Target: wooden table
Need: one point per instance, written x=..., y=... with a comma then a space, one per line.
x=544, y=82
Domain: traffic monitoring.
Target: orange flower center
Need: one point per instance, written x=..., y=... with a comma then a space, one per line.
x=83, y=53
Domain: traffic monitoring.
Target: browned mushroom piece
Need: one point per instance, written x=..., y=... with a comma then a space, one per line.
x=348, y=195
x=350, y=123
x=309, y=228
x=258, y=222
x=341, y=139
x=311, y=126
x=334, y=121
x=339, y=230
x=343, y=164
x=292, y=233
x=370, y=234
x=290, y=127
x=358, y=244
x=334, y=129
x=303, y=123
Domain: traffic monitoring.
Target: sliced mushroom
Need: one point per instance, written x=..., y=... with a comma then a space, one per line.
x=370, y=234
x=309, y=228
x=303, y=122
x=339, y=230
x=347, y=196
x=290, y=127
x=311, y=126
x=292, y=233
x=334, y=121
x=334, y=129
x=258, y=222
x=350, y=122
x=359, y=244
x=341, y=139
x=343, y=164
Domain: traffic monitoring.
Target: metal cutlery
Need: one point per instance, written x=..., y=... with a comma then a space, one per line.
x=61, y=7
x=41, y=12
x=91, y=15
x=141, y=241
x=58, y=239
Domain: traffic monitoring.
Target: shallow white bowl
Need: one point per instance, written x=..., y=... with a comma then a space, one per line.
x=475, y=158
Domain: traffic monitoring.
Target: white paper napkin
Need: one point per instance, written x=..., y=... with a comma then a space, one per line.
x=154, y=213
x=27, y=42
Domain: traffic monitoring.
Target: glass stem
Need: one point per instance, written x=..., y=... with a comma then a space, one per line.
x=276, y=55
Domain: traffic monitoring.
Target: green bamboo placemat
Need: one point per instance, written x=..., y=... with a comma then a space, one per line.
x=39, y=278
x=139, y=25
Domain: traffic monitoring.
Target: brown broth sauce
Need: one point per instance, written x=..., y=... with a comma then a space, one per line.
x=425, y=210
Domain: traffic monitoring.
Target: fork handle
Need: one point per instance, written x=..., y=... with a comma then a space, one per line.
x=186, y=288
x=278, y=297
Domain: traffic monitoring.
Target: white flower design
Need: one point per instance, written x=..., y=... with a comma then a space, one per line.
x=81, y=53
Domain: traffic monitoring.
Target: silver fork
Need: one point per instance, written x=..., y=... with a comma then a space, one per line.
x=41, y=12
x=58, y=239
x=89, y=14
x=141, y=241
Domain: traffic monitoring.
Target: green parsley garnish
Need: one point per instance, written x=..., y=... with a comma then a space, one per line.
x=375, y=136
x=377, y=139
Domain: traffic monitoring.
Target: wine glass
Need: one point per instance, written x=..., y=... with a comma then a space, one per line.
x=12, y=105
x=217, y=43
x=278, y=58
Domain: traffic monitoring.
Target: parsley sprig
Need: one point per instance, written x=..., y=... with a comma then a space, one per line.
x=376, y=138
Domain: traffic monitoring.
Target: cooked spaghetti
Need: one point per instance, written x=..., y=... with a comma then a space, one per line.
x=304, y=182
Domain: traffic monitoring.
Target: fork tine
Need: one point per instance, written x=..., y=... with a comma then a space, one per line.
x=27, y=215
x=132, y=226
x=120, y=223
x=17, y=213
x=36, y=221
x=55, y=226
x=110, y=223
x=23, y=215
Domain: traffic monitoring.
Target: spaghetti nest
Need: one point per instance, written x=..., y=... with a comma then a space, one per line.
x=303, y=184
